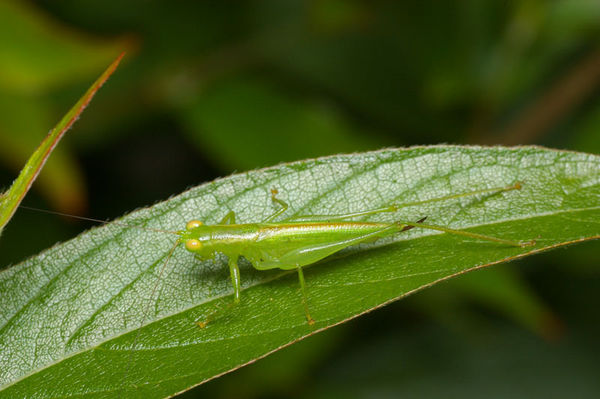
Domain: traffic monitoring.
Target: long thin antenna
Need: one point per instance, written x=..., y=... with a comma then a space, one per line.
x=515, y=186
x=95, y=220
x=161, y=272
x=147, y=308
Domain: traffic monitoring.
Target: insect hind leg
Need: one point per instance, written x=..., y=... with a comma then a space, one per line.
x=420, y=224
x=308, y=218
x=343, y=216
x=396, y=206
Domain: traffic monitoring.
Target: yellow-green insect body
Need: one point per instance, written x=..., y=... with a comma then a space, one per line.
x=285, y=246
x=288, y=245
x=300, y=241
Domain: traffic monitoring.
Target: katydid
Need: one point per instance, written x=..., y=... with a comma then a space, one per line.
x=300, y=241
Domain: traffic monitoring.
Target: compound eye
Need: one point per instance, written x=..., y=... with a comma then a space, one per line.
x=193, y=245
x=192, y=224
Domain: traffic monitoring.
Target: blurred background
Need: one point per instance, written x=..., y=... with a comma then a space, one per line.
x=209, y=88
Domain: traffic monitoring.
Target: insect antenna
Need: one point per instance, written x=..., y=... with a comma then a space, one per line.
x=147, y=309
x=515, y=186
x=160, y=274
x=96, y=220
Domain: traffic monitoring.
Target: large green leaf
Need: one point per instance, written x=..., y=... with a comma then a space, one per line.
x=262, y=115
x=23, y=125
x=83, y=319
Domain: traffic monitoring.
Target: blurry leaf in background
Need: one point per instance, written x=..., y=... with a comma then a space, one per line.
x=570, y=20
x=501, y=290
x=493, y=360
x=247, y=123
x=416, y=72
x=504, y=291
x=12, y=198
x=38, y=55
x=284, y=373
x=22, y=127
x=546, y=65
x=363, y=66
x=588, y=131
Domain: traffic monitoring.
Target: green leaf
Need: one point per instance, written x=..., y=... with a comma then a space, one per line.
x=23, y=125
x=10, y=200
x=499, y=289
x=38, y=53
x=84, y=319
x=269, y=127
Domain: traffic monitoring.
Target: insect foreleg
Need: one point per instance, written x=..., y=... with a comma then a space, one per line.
x=310, y=254
x=234, y=270
x=229, y=218
x=309, y=318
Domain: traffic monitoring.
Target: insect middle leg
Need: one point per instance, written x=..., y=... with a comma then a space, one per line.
x=309, y=318
x=284, y=206
x=229, y=218
x=308, y=255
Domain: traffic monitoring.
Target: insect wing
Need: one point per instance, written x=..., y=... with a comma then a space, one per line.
x=303, y=255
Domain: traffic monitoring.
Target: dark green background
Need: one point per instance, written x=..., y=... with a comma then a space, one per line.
x=208, y=88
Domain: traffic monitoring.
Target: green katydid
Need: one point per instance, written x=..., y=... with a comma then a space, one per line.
x=300, y=241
